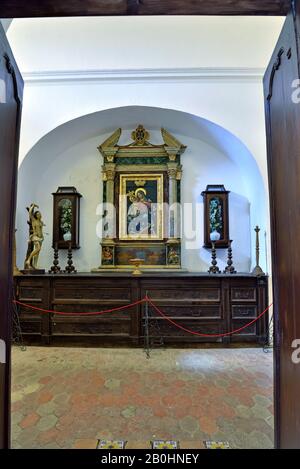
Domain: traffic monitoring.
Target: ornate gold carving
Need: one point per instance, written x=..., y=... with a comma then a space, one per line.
x=111, y=141
x=173, y=170
x=172, y=173
x=141, y=147
x=143, y=163
x=137, y=263
x=179, y=173
x=110, y=175
x=140, y=183
x=170, y=140
x=108, y=172
x=172, y=156
x=144, y=168
x=110, y=158
x=140, y=136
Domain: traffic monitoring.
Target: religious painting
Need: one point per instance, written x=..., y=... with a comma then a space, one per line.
x=141, y=207
x=151, y=254
x=107, y=255
x=173, y=255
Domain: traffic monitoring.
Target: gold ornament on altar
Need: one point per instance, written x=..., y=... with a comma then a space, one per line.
x=137, y=263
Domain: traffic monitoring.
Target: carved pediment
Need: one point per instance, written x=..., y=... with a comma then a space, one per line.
x=141, y=146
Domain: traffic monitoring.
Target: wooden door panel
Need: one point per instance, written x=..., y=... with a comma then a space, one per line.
x=283, y=136
x=33, y=8
x=11, y=88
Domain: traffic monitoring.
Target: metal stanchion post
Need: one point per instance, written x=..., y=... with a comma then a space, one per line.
x=146, y=331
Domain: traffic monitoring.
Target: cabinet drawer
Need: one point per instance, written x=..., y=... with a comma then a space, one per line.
x=195, y=295
x=90, y=326
x=249, y=331
x=91, y=293
x=31, y=326
x=244, y=311
x=161, y=327
x=191, y=311
x=76, y=308
x=243, y=294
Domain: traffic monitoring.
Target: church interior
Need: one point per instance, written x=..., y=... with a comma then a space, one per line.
x=142, y=254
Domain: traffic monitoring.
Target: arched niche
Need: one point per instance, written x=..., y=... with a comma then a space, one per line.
x=68, y=156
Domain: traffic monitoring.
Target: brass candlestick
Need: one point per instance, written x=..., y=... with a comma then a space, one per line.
x=230, y=268
x=257, y=270
x=214, y=269
x=137, y=263
x=55, y=268
x=70, y=269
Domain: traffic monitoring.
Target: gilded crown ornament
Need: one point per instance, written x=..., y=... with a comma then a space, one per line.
x=140, y=183
x=140, y=135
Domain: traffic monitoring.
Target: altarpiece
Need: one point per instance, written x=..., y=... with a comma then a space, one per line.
x=141, y=200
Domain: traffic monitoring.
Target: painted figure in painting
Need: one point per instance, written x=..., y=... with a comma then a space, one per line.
x=139, y=212
x=173, y=257
x=141, y=207
x=107, y=255
x=36, y=237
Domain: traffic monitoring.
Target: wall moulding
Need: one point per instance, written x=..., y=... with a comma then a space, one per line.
x=172, y=74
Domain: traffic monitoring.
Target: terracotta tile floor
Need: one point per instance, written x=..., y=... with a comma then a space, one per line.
x=69, y=397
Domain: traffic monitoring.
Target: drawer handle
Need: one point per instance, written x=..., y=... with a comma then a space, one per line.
x=196, y=314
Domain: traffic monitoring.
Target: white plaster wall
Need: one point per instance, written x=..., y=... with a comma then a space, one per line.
x=236, y=105
x=232, y=44
x=206, y=66
x=90, y=43
x=6, y=23
x=80, y=165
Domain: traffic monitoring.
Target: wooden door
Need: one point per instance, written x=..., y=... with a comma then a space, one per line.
x=11, y=89
x=282, y=106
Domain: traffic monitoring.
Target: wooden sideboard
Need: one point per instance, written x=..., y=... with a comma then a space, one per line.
x=211, y=304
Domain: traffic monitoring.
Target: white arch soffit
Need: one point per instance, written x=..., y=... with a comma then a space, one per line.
x=6, y=23
x=177, y=122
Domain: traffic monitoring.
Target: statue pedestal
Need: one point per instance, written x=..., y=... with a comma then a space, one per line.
x=33, y=271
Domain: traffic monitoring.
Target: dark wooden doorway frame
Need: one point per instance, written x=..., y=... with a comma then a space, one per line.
x=53, y=8
x=46, y=8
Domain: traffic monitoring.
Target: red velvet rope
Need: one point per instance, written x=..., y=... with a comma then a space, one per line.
x=206, y=335
x=145, y=299
x=93, y=313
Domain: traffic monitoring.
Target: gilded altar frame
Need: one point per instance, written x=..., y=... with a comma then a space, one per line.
x=141, y=162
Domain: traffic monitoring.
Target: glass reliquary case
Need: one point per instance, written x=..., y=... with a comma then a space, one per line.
x=66, y=218
x=216, y=216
